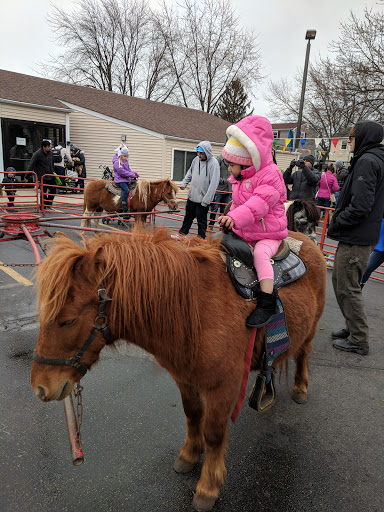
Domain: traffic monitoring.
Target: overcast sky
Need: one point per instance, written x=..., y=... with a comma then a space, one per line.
x=26, y=38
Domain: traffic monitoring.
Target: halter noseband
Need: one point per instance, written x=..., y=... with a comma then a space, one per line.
x=75, y=360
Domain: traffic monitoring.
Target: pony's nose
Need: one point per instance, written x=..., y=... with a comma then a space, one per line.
x=303, y=221
x=41, y=393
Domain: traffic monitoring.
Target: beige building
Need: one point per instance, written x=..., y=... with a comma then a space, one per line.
x=160, y=137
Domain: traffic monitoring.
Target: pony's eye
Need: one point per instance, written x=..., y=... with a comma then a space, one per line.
x=67, y=322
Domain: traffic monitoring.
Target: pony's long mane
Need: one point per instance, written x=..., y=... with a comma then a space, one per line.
x=152, y=279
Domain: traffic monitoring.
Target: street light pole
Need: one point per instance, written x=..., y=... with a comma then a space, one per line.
x=310, y=34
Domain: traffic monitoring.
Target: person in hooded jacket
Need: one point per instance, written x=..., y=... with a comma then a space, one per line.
x=341, y=176
x=123, y=174
x=257, y=213
x=304, y=181
x=356, y=225
x=203, y=176
x=10, y=183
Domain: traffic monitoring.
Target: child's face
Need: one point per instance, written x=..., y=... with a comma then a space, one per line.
x=10, y=175
x=124, y=158
x=234, y=169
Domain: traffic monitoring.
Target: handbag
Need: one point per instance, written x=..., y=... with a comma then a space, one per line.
x=331, y=196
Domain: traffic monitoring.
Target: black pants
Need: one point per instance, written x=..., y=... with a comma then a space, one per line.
x=81, y=182
x=60, y=171
x=11, y=198
x=193, y=210
x=49, y=194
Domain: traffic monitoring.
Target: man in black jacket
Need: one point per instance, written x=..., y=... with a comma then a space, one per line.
x=356, y=224
x=304, y=180
x=78, y=158
x=42, y=163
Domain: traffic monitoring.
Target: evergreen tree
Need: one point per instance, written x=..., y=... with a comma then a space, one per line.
x=233, y=103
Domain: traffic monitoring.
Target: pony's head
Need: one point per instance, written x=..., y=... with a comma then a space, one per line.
x=169, y=194
x=68, y=282
x=303, y=216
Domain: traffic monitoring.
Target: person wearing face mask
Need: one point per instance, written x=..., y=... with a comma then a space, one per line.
x=356, y=225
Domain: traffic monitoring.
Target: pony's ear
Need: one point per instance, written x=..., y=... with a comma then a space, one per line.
x=89, y=265
x=60, y=234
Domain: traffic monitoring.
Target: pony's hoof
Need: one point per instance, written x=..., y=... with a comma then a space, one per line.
x=203, y=504
x=182, y=466
x=299, y=398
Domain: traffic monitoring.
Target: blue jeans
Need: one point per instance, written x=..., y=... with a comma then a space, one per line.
x=219, y=198
x=375, y=260
x=323, y=201
x=124, y=187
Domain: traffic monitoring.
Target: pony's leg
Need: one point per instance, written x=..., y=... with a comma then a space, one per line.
x=86, y=223
x=219, y=403
x=194, y=444
x=96, y=219
x=300, y=385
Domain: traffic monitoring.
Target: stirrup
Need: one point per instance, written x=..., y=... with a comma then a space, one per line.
x=263, y=395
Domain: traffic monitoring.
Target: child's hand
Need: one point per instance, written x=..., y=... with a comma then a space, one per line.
x=225, y=221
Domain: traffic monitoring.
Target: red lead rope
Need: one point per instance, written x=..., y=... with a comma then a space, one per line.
x=247, y=365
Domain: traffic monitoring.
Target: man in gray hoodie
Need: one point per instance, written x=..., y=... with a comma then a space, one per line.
x=203, y=176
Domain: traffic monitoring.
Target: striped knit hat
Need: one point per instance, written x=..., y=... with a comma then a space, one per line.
x=236, y=153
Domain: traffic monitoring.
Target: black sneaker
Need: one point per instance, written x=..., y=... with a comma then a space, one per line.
x=341, y=334
x=348, y=346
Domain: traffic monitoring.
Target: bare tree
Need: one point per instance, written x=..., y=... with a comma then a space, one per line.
x=329, y=109
x=359, y=55
x=342, y=91
x=207, y=50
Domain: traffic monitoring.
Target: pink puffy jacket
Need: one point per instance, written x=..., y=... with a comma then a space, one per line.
x=258, y=208
x=330, y=179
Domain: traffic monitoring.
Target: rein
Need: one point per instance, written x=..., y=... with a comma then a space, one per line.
x=103, y=327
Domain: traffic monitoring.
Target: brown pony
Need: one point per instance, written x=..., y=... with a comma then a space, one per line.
x=148, y=194
x=184, y=310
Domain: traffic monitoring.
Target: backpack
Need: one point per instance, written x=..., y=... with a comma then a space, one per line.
x=56, y=155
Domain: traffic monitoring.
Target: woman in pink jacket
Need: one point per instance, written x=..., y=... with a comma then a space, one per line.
x=327, y=185
x=257, y=213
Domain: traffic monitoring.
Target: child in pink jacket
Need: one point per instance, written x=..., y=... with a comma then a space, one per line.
x=257, y=213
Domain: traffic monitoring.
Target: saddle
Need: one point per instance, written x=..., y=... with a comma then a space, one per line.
x=115, y=188
x=287, y=265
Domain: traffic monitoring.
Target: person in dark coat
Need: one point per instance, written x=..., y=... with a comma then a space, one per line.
x=356, y=225
x=304, y=180
x=42, y=163
x=223, y=192
x=341, y=176
x=78, y=158
x=10, y=183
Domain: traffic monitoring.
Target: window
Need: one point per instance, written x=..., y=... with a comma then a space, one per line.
x=275, y=134
x=303, y=135
x=344, y=144
x=181, y=163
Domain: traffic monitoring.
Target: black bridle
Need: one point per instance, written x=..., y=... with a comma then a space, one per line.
x=103, y=327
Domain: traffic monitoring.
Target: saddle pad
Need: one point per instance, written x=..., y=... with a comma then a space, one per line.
x=114, y=189
x=245, y=278
x=277, y=339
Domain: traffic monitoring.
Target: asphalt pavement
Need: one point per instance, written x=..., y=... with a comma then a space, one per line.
x=325, y=455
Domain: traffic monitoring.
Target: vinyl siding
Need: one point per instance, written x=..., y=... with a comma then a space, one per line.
x=99, y=138
x=171, y=144
x=38, y=115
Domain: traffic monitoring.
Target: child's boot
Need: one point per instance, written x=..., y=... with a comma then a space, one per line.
x=265, y=311
x=123, y=206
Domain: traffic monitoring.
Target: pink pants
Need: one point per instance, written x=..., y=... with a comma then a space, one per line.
x=262, y=254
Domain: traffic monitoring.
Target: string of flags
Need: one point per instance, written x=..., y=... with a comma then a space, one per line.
x=318, y=141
